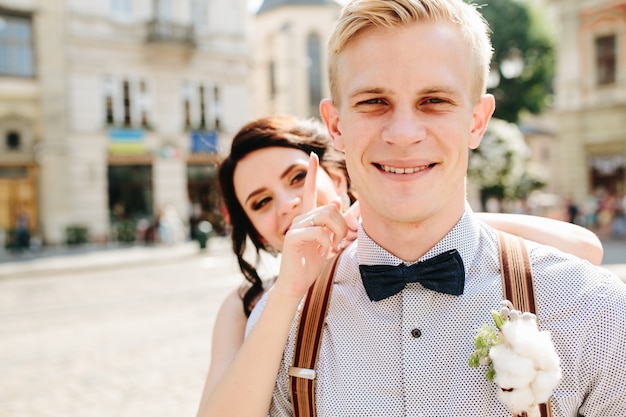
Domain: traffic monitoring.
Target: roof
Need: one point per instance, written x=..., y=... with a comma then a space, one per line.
x=273, y=4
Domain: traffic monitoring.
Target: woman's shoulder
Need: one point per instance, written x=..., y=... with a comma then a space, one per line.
x=231, y=308
x=230, y=324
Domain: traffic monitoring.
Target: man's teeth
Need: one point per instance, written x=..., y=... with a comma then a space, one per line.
x=394, y=170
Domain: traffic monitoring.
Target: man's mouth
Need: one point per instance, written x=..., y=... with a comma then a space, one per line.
x=405, y=170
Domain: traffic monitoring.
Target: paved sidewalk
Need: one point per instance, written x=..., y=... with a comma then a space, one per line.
x=128, y=335
x=59, y=261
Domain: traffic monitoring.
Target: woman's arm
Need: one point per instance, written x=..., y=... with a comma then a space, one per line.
x=228, y=335
x=564, y=236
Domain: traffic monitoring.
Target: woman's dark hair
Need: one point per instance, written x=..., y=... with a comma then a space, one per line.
x=275, y=131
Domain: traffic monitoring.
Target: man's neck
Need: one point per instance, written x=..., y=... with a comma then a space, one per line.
x=409, y=241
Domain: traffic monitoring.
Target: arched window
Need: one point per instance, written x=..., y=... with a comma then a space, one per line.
x=13, y=140
x=314, y=54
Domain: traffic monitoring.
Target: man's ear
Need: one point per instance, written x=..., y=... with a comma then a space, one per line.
x=330, y=116
x=482, y=114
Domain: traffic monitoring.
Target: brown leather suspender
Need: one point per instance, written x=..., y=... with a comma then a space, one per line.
x=517, y=276
x=517, y=287
x=308, y=341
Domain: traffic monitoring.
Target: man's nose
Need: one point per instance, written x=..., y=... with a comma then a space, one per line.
x=405, y=126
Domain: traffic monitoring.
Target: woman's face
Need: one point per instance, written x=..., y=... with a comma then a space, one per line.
x=269, y=185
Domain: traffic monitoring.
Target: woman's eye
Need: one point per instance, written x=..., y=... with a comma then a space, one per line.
x=258, y=205
x=298, y=177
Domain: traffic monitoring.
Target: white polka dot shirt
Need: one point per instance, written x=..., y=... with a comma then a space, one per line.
x=408, y=355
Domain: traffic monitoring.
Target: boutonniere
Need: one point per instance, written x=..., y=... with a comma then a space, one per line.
x=519, y=358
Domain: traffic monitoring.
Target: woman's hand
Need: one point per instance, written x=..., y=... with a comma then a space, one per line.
x=314, y=236
x=351, y=217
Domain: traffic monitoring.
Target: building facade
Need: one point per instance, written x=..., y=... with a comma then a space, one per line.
x=289, y=45
x=591, y=97
x=114, y=110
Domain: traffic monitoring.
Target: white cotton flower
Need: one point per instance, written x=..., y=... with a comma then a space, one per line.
x=518, y=400
x=512, y=370
x=521, y=333
x=546, y=357
x=544, y=383
x=527, y=367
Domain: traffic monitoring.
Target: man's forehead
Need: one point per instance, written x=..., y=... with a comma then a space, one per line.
x=409, y=51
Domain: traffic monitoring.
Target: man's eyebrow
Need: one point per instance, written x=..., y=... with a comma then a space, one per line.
x=262, y=189
x=438, y=90
x=425, y=91
x=366, y=90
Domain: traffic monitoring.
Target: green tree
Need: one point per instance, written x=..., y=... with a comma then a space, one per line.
x=523, y=61
x=500, y=167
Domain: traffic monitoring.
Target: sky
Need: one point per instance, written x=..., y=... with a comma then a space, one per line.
x=253, y=5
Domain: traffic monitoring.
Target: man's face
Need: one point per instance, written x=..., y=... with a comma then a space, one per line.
x=406, y=121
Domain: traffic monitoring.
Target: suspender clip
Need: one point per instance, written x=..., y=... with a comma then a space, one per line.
x=302, y=373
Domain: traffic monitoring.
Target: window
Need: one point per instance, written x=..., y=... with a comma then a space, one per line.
x=201, y=106
x=186, y=94
x=109, y=94
x=109, y=110
x=143, y=103
x=16, y=46
x=315, y=73
x=130, y=191
x=13, y=140
x=127, y=102
x=606, y=59
x=215, y=113
x=272, y=76
x=122, y=9
x=199, y=13
x=163, y=10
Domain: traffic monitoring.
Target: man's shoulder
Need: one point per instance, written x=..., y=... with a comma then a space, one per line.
x=548, y=259
x=564, y=274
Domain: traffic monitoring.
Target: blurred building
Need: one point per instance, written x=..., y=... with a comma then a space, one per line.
x=289, y=45
x=591, y=96
x=111, y=110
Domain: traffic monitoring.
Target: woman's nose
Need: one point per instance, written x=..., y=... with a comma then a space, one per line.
x=288, y=202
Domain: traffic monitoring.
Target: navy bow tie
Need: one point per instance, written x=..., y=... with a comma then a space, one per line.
x=443, y=273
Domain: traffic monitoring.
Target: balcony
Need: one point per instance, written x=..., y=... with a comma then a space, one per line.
x=160, y=31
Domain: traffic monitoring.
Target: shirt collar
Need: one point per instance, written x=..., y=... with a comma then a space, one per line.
x=464, y=237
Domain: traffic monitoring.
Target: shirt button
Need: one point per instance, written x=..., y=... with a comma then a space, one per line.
x=416, y=333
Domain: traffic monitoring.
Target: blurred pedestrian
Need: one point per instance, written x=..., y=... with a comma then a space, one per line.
x=22, y=230
x=572, y=210
x=171, y=227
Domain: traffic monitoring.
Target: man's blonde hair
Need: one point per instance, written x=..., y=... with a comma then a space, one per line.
x=361, y=15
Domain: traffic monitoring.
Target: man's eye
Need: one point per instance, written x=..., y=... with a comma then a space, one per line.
x=434, y=100
x=371, y=101
x=258, y=205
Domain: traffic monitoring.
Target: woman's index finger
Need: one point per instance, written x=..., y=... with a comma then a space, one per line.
x=309, y=198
